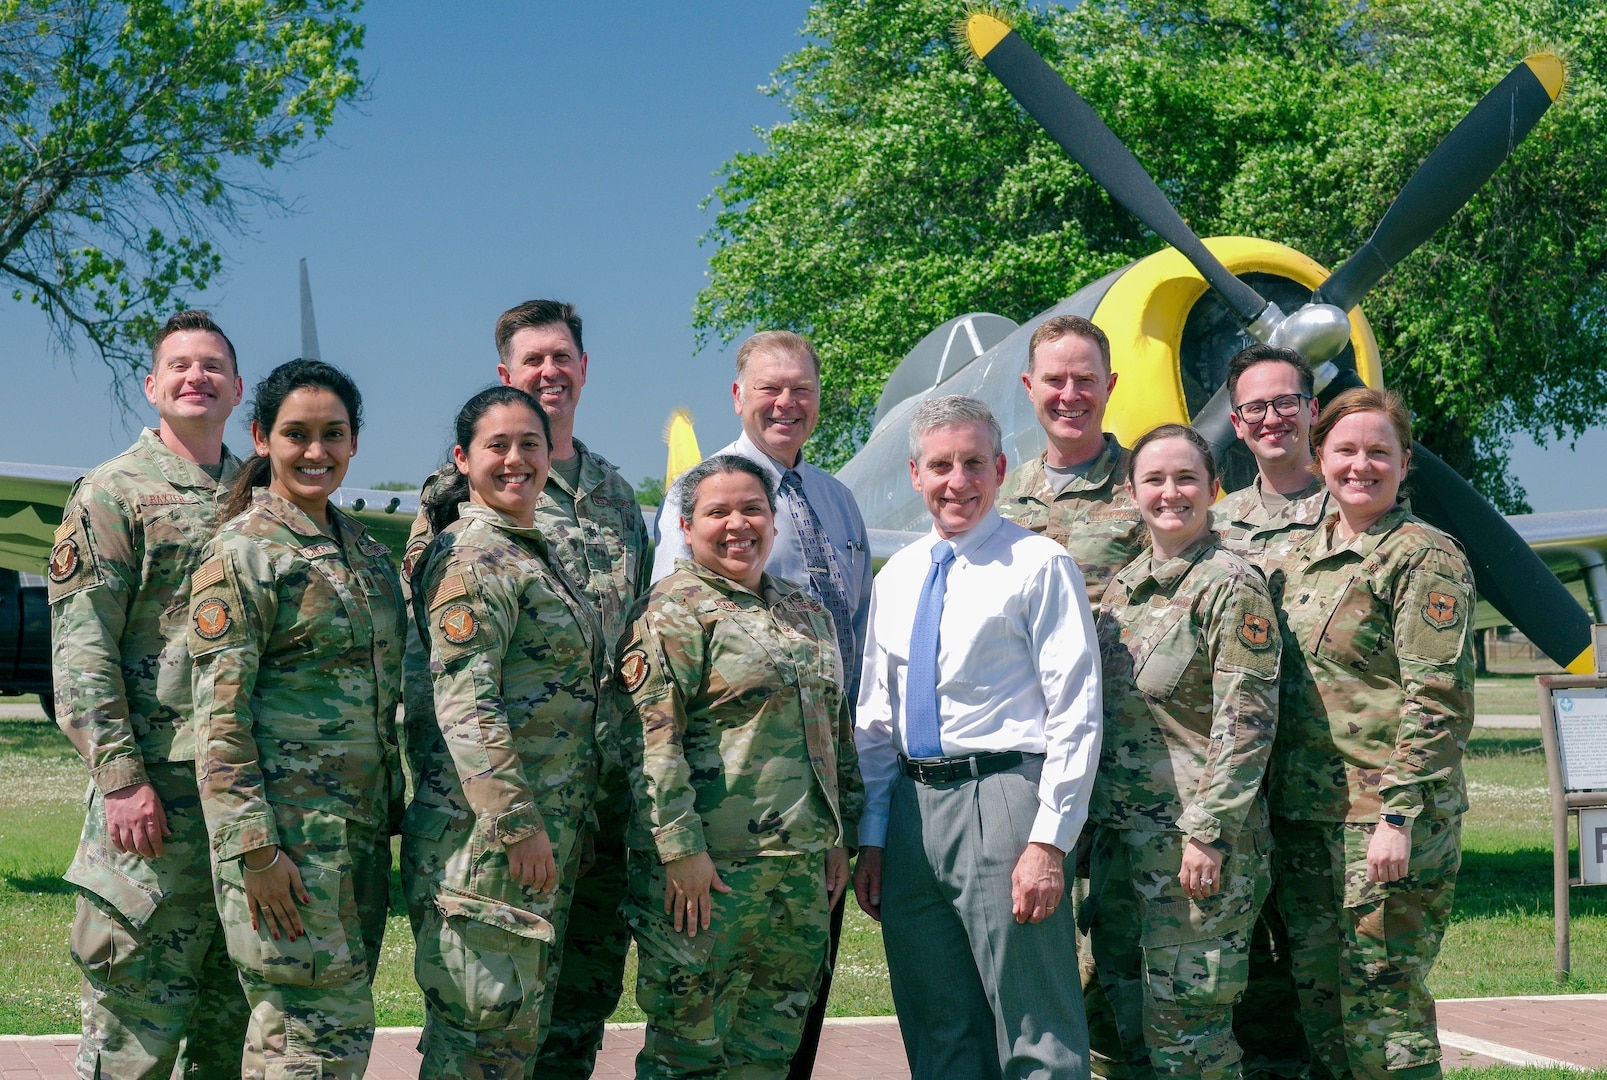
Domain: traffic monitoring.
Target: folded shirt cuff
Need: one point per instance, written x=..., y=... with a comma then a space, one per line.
x=1053, y=828
x=119, y=772
x=520, y=823
x=677, y=842
x=872, y=830
x=1199, y=825
x=234, y=838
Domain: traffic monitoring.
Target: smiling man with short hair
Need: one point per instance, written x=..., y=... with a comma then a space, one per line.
x=978, y=729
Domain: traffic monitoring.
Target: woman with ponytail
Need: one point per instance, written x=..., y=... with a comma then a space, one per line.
x=297, y=628
x=505, y=771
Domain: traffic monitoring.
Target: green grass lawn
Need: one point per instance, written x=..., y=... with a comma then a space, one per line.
x=1509, y=694
x=1499, y=942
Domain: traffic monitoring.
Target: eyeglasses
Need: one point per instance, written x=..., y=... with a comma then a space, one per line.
x=1253, y=412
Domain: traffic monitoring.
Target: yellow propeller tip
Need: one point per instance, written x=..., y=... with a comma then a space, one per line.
x=984, y=30
x=1584, y=663
x=1549, y=69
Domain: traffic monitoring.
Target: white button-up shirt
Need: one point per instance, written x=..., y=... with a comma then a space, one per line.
x=1017, y=669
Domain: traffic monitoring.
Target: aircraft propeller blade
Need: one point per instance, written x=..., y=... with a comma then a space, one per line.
x=1507, y=572
x=1082, y=134
x=1444, y=183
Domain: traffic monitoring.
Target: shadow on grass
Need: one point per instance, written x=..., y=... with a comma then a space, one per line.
x=41, y=884
x=34, y=738
x=1499, y=883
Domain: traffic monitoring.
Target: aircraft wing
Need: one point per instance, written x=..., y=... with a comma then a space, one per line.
x=32, y=498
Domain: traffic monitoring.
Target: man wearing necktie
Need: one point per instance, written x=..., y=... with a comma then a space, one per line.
x=821, y=542
x=978, y=731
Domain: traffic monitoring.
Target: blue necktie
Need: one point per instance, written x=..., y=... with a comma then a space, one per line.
x=922, y=730
x=824, y=575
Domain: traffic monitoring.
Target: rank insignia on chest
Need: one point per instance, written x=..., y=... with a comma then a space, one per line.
x=212, y=619
x=458, y=624
x=1441, y=612
x=1255, y=631
x=633, y=670
x=64, y=560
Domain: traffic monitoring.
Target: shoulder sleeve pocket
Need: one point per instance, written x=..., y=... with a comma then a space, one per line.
x=457, y=622
x=72, y=567
x=1433, y=622
x=217, y=612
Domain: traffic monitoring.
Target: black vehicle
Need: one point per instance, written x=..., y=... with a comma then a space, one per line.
x=25, y=638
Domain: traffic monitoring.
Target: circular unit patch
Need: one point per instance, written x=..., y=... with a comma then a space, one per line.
x=64, y=560
x=458, y=624
x=633, y=670
x=212, y=619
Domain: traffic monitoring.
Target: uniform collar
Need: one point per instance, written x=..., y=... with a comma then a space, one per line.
x=1307, y=507
x=473, y=511
x=1363, y=544
x=347, y=532
x=772, y=590
x=1167, y=574
x=181, y=472
x=1107, y=469
x=591, y=474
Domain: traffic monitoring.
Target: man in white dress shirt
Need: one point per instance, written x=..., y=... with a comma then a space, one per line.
x=978, y=731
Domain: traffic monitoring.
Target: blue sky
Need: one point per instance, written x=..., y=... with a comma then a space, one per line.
x=508, y=151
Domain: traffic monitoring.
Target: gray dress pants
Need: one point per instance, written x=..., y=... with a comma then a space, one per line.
x=977, y=994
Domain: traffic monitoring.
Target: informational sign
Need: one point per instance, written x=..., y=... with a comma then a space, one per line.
x=1581, y=714
x=1593, y=846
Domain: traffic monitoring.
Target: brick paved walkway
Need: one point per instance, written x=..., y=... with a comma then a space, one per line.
x=1556, y=1031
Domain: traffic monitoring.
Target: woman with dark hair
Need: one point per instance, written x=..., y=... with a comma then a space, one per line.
x=738, y=740
x=505, y=771
x=296, y=626
x=1181, y=844
x=1367, y=790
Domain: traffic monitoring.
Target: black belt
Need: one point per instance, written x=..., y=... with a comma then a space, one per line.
x=942, y=770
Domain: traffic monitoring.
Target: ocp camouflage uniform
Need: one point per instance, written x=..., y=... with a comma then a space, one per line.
x=515, y=658
x=596, y=534
x=1095, y=520
x=1378, y=705
x=1190, y=653
x=297, y=638
x=145, y=936
x=1267, y=1019
x=739, y=742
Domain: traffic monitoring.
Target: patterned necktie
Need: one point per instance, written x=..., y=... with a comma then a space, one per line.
x=922, y=731
x=824, y=577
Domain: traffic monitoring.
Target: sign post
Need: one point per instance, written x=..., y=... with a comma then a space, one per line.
x=1573, y=726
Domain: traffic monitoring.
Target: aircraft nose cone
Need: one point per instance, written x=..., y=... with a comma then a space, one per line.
x=1317, y=331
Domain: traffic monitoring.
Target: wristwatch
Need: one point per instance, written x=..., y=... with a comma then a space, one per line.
x=1397, y=820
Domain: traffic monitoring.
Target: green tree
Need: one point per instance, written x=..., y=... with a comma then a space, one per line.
x=394, y=485
x=132, y=134
x=650, y=491
x=907, y=187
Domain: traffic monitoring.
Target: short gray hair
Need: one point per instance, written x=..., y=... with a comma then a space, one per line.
x=952, y=409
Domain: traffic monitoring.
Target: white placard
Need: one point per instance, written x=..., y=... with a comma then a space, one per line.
x=1582, y=736
x=1593, y=847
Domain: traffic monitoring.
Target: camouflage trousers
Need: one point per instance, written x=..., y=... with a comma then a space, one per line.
x=732, y=1001
x=591, y=954
x=158, y=987
x=1172, y=966
x=1266, y=1021
x=312, y=1003
x=484, y=944
x=1361, y=951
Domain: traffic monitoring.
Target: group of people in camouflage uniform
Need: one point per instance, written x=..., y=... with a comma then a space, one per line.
x=601, y=748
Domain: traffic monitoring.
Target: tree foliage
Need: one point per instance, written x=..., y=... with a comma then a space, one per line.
x=132, y=133
x=907, y=187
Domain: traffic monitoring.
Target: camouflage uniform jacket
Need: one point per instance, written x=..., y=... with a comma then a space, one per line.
x=735, y=729
x=1265, y=537
x=1092, y=518
x=1378, y=675
x=1190, y=654
x=603, y=548
x=130, y=537
x=297, y=638
x=514, y=660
